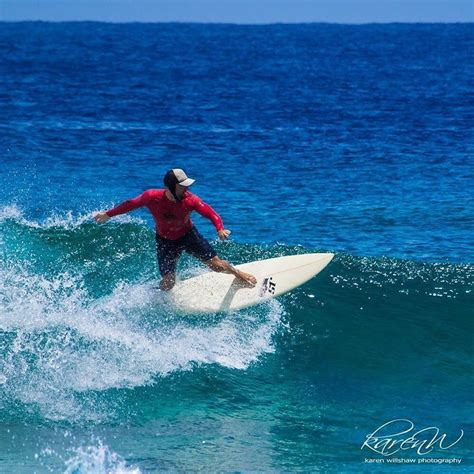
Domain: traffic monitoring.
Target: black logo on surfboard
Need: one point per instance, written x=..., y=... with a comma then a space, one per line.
x=268, y=286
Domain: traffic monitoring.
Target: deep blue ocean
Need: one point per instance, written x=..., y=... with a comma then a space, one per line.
x=357, y=140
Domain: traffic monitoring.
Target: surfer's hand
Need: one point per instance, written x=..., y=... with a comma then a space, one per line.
x=223, y=234
x=101, y=217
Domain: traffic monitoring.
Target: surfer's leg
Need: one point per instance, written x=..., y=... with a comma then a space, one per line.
x=199, y=247
x=218, y=265
x=196, y=245
x=167, y=281
x=168, y=252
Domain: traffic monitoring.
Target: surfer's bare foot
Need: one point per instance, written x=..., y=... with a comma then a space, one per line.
x=248, y=279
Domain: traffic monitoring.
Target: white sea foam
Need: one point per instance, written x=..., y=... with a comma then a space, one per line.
x=11, y=211
x=65, y=220
x=65, y=347
x=97, y=459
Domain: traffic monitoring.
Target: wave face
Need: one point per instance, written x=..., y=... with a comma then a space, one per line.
x=86, y=342
x=76, y=323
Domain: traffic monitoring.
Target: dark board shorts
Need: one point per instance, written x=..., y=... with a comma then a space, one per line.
x=169, y=251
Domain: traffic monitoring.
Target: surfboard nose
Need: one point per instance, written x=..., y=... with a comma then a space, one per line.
x=320, y=257
x=329, y=256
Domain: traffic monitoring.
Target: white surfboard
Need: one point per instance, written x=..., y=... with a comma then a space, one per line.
x=212, y=292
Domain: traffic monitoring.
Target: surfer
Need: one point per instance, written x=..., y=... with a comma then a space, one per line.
x=175, y=232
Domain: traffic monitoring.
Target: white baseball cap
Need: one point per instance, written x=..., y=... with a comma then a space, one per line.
x=182, y=177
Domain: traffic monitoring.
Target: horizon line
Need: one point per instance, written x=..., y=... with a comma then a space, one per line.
x=180, y=22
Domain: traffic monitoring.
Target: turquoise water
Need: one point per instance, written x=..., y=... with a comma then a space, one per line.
x=92, y=361
x=305, y=138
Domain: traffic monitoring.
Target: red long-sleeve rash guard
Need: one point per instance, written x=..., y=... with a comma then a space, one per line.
x=172, y=218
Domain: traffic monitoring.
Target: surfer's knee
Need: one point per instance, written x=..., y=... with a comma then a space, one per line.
x=218, y=265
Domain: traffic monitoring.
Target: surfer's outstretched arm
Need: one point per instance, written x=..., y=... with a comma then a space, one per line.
x=123, y=208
